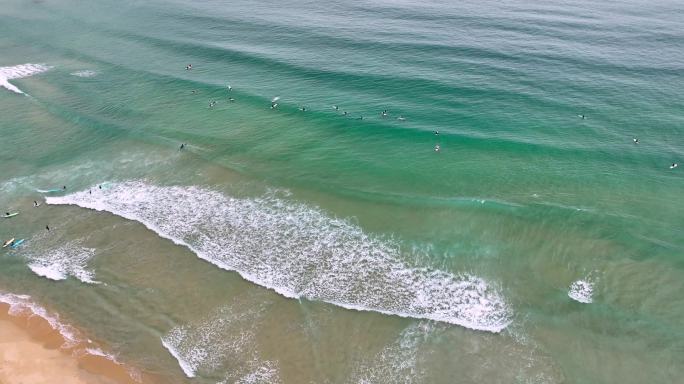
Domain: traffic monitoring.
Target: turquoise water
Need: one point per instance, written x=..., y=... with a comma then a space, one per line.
x=536, y=245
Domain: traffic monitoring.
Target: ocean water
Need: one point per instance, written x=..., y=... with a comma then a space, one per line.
x=303, y=235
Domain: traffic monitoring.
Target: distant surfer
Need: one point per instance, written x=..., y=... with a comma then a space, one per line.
x=582, y=116
x=211, y=104
x=64, y=187
x=636, y=141
x=188, y=67
x=229, y=88
x=384, y=113
x=337, y=108
x=344, y=113
x=230, y=99
x=437, y=148
x=674, y=165
x=274, y=105
x=100, y=186
x=47, y=227
x=90, y=192
x=182, y=146
x=193, y=91
x=302, y=108
x=436, y=133
x=35, y=203
x=401, y=118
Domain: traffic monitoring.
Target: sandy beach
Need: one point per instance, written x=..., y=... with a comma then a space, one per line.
x=33, y=351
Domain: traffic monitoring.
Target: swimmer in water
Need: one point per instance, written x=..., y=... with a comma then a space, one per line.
x=229, y=88
x=636, y=141
x=182, y=146
x=437, y=148
x=582, y=116
x=384, y=113
x=344, y=113
x=188, y=67
x=47, y=227
x=230, y=99
x=274, y=105
x=674, y=165
x=436, y=133
x=302, y=108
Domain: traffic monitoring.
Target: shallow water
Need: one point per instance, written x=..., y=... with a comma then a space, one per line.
x=289, y=245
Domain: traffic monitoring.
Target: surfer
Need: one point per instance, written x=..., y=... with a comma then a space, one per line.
x=182, y=146
x=188, y=67
x=229, y=88
x=582, y=116
x=193, y=91
x=47, y=227
x=302, y=108
x=636, y=141
x=674, y=165
x=7, y=213
x=344, y=113
x=436, y=133
x=231, y=99
x=100, y=186
x=401, y=118
x=384, y=113
x=64, y=187
x=437, y=148
x=35, y=203
x=337, y=108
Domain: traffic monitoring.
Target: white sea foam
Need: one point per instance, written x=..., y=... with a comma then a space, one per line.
x=226, y=336
x=23, y=305
x=582, y=291
x=17, y=72
x=70, y=259
x=84, y=73
x=299, y=251
x=398, y=361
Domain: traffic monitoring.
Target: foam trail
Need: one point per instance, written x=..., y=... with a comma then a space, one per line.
x=70, y=259
x=397, y=362
x=582, y=291
x=228, y=335
x=299, y=251
x=18, y=72
x=22, y=304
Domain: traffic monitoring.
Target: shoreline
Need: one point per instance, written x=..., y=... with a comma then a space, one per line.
x=36, y=347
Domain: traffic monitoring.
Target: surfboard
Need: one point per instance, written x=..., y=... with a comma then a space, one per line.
x=17, y=243
x=10, y=215
x=49, y=190
x=8, y=242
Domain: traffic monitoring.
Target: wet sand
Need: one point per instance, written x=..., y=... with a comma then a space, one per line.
x=33, y=352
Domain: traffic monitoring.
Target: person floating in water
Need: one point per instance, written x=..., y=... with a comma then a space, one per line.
x=344, y=113
x=636, y=141
x=437, y=148
x=193, y=91
x=436, y=133
x=182, y=146
x=674, y=165
x=302, y=108
x=384, y=113
x=188, y=67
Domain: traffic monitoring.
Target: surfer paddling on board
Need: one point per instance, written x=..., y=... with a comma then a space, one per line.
x=182, y=146
x=674, y=165
x=635, y=140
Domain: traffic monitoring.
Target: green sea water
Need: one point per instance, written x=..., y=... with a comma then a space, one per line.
x=324, y=241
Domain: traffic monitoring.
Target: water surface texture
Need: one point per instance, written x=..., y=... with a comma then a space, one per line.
x=368, y=191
